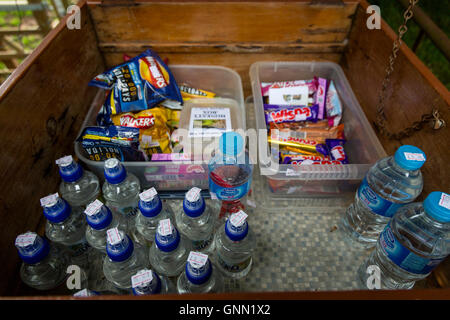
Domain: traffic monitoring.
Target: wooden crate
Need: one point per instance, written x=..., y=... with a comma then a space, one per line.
x=46, y=98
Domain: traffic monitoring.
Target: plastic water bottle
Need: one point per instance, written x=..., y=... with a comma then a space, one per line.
x=124, y=259
x=199, y=276
x=43, y=265
x=230, y=173
x=169, y=251
x=414, y=242
x=66, y=226
x=151, y=211
x=121, y=191
x=234, y=246
x=391, y=183
x=146, y=282
x=197, y=221
x=78, y=187
x=100, y=219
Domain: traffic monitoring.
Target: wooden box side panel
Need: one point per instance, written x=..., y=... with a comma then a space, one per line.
x=42, y=106
x=413, y=90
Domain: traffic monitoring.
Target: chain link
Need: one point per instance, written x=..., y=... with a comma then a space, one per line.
x=380, y=123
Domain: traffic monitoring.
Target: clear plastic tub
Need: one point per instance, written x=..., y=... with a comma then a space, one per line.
x=316, y=181
x=163, y=175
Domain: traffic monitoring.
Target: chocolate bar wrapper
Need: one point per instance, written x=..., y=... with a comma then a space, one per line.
x=312, y=133
x=321, y=96
x=336, y=150
x=307, y=147
x=333, y=105
x=280, y=114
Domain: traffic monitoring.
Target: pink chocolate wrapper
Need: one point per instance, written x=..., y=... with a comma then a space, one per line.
x=321, y=96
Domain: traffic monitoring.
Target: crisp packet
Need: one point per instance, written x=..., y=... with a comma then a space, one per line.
x=138, y=84
x=280, y=114
x=336, y=150
x=333, y=106
x=188, y=92
x=102, y=143
x=154, y=133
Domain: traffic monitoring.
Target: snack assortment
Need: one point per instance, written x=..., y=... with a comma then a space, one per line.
x=141, y=110
x=303, y=121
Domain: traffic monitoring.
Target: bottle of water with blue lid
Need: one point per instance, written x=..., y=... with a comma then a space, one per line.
x=391, y=183
x=150, y=212
x=413, y=243
x=169, y=251
x=230, y=173
x=124, y=258
x=121, y=191
x=197, y=221
x=234, y=246
x=148, y=282
x=67, y=227
x=43, y=265
x=100, y=219
x=78, y=187
x=199, y=276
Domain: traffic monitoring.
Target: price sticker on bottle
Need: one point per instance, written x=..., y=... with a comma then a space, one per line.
x=414, y=156
x=26, y=239
x=82, y=293
x=113, y=236
x=93, y=208
x=197, y=259
x=165, y=227
x=148, y=195
x=445, y=201
x=64, y=161
x=143, y=277
x=193, y=195
x=49, y=200
x=237, y=219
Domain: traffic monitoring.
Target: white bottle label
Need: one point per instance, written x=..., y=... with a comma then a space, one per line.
x=197, y=259
x=113, y=236
x=49, y=200
x=26, y=239
x=148, y=195
x=445, y=201
x=165, y=227
x=141, y=278
x=237, y=219
x=93, y=208
x=193, y=195
x=64, y=161
x=414, y=156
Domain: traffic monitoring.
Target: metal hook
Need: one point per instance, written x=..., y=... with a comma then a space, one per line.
x=437, y=122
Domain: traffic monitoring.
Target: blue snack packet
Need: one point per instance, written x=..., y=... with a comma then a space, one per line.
x=138, y=84
x=102, y=143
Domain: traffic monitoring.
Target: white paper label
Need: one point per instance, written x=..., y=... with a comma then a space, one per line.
x=49, y=200
x=26, y=239
x=93, y=207
x=148, y=195
x=113, y=236
x=291, y=172
x=193, y=195
x=209, y=122
x=295, y=96
x=445, y=201
x=141, y=278
x=64, y=161
x=414, y=156
x=237, y=219
x=82, y=293
x=165, y=227
x=197, y=259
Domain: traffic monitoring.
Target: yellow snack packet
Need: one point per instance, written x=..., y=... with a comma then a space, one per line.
x=188, y=92
x=154, y=134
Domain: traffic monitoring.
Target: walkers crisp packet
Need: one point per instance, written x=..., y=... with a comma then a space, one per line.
x=138, y=84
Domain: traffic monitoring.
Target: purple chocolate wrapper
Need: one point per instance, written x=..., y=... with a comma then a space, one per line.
x=321, y=92
x=336, y=150
x=279, y=114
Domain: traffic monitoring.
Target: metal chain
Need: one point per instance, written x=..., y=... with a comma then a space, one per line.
x=381, y=124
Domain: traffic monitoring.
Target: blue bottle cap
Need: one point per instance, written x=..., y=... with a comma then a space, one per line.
x=193, y=203
x=198, y=274
x=236, y=233
x=69, y=170
x=150, y=204
x=231, y=143
x=98, y=215
x=119, y=246
x=167, y=242
x=114, y=171
x=437, y=206
x=55, y=209
x=148, y=287
x=409, y=157
x=31, y=247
